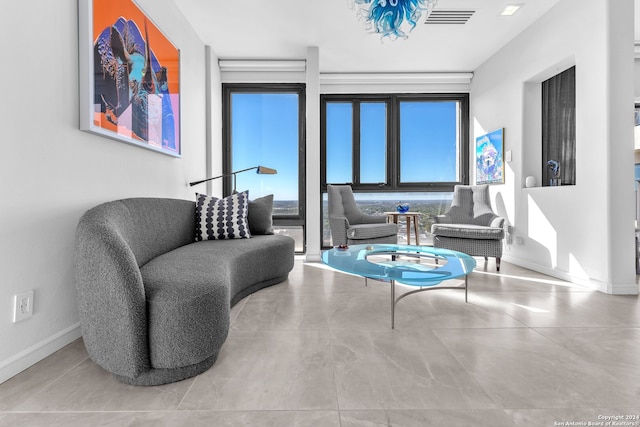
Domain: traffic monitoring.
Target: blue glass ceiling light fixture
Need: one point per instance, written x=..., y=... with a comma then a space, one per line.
x=392, y=18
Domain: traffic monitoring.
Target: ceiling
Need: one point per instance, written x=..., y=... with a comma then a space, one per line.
x=283, y=29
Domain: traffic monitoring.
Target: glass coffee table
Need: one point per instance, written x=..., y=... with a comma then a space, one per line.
x=421, y=266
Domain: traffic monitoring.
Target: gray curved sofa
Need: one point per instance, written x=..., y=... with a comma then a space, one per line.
x=154, y=304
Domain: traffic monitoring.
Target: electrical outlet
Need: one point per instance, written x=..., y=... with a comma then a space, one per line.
x=22, y=306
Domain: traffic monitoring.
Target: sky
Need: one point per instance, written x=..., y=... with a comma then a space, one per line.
x=265, y=132
x=428, y=141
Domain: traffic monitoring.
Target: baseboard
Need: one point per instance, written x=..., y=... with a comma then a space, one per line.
x=32, y=355
x=548, y=271
x=596, y=285
x=312, y=258
x=623, y=289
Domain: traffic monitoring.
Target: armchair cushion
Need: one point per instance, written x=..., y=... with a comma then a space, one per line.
x=467, y=231
x=371, y=231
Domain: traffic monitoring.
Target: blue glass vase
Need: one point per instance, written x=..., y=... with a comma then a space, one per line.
x=402, y=207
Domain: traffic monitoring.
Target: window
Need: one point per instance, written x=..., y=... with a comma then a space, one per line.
x=339, y=151
x=373, y=142
x=559, y=128
x=396, y=142
x=429, y=142
x=391, y=148
x=264, y=126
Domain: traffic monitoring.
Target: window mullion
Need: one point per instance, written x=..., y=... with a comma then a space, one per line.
x=356, y=143
x=393, y=174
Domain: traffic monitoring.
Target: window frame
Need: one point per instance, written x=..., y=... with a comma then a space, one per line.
x=228, y=89
x=393, y=101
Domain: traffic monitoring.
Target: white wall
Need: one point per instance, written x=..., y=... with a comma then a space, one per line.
x=214, y=127
x=51, y=172
x=637, y=80
x=583, y=233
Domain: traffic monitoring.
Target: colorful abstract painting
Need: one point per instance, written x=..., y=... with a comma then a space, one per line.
x=135, y=81
x=490, y=158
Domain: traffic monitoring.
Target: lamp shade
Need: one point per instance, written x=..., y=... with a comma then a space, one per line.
x=266, y=170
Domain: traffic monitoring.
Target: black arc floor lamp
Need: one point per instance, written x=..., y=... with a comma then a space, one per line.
x=259, y=169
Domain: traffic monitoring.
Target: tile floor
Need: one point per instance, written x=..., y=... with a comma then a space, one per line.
x=317, y=350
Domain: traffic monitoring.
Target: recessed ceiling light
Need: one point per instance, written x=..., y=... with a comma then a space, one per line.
x=510, y=9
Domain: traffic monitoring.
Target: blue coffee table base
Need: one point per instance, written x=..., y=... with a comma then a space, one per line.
x=355, y=260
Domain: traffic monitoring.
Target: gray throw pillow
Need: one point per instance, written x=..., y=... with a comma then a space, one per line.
x=260, y=215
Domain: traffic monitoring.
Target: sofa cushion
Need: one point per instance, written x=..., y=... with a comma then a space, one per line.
x=250, y=264
x=219, y=219
x=260, y=216
x=197, y=283
x=467, y=231
x=187, y=299
x=371, y=231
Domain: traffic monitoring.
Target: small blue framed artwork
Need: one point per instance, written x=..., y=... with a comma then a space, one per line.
x=490, y=158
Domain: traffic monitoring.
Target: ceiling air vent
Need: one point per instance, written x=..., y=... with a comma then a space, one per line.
x=449, y=16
